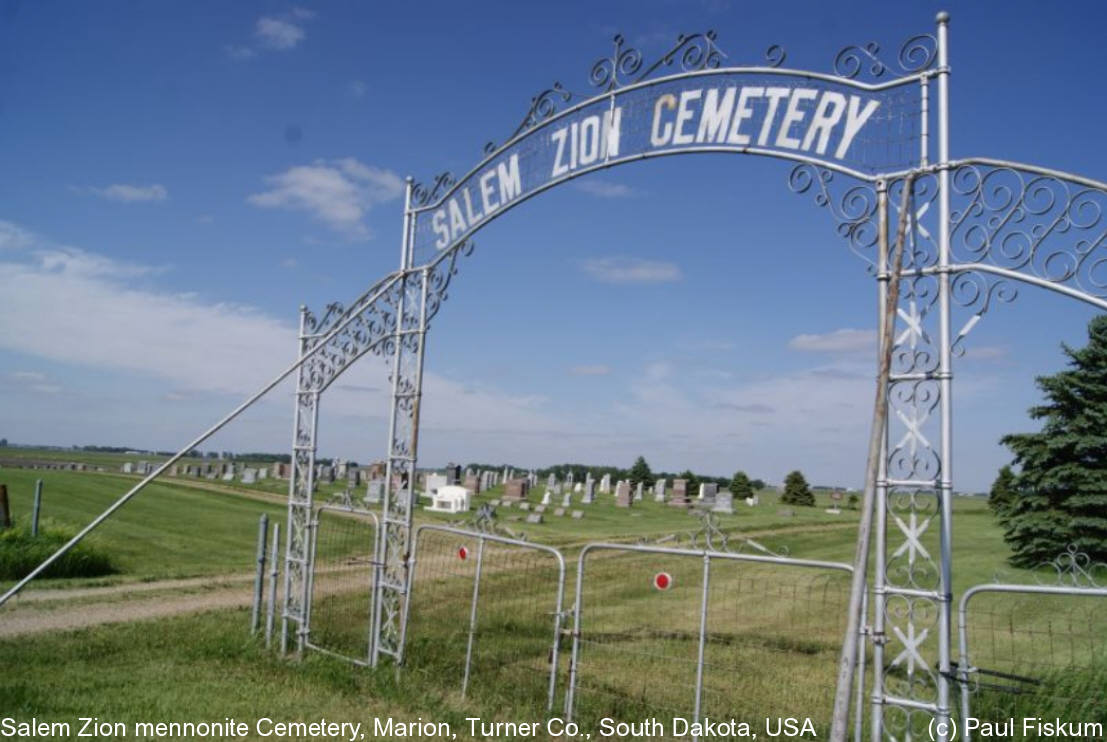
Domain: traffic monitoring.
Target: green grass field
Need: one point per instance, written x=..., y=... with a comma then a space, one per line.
x=772, y=632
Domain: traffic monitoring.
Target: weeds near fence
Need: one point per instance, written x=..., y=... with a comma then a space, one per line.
x=20, y=552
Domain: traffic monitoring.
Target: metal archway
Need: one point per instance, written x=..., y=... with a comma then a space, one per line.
x=975, y=226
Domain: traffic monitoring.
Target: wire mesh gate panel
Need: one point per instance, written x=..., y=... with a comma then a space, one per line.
x=341, y=583
x=1033, y=652
x=486, y=611
x=669, y=633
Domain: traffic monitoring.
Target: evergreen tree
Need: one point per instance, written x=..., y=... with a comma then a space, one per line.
x=740, y=486
x=640, y=472
x=1061, y=488
x=1002, y=493
x=796, y=491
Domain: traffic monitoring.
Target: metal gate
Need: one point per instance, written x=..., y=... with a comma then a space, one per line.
x=666, y=632
x=341, y=583
x=487, y=611
x=1032, y=652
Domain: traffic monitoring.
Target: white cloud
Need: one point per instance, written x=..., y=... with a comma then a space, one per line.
x=839, y=341
x=338, y=193
x=28, y=376
x=132, y=193
x=14, y=237
x=277, y=33
x=357, y=89
x=630, y=270
x=603, y=188
x=594, y=370
x=235, y=51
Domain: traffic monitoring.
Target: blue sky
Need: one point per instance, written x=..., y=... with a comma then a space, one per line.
x=179, y=177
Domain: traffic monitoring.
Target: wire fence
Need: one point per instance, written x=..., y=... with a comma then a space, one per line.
x=1033, y=652
x=693, y=635
x=343, y=575
x=484, y=615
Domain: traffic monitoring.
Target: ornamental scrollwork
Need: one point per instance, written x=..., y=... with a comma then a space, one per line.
x=1045, y=225
x=710, y=537
x=977, y=292
x=696, y=51
x=542, y=106
x=1073, y=568
x=854, y=211
x=915, y=55
x=423, y=194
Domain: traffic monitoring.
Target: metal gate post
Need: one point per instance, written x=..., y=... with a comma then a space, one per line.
x=301, y=487
x=393, y=549
x=945, y=375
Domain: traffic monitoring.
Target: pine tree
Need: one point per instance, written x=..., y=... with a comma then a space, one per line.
x=740, y=486
x=1002, y=493
x=796, y=491
x=640, y=472
x=1061, y=488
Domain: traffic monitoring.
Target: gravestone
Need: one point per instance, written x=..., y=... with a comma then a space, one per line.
x=787, y=512
x=578, y=487
x=560, y=512
x=638, y=493
x=724, y=503
x=228, y=476
x=708, y=491
x=128, y=467
x=751, y=501
x=374, y=491
x=659, y=491
x=534, y=518
x=494, y=503
x=605, y=484
x=249, y=476
x=566, y=500
x=680, y=494
x=263, y=473
x=577, y=514
x=546, y=497
x=472, y=483
x=516, y=489
x=622, y=494
x=524, y=505
x=540, y=509
x=174, y=471
x=589, y=492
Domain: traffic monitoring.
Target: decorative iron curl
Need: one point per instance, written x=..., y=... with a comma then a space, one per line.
x=976, y=292
x=710, y=537
x=1042, y=224
x=916, y=54
x=854, y=212
x=696, y=51
x=421, y=194
x=775, y=55
x=542, y=106
x=1073, y=567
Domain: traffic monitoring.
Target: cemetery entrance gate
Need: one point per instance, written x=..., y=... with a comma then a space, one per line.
x=857, y=136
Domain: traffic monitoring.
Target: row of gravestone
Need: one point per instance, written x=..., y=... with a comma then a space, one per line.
x=539, y=511
x=708, y=496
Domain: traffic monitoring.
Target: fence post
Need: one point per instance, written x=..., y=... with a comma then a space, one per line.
x=5, y=513
x=274, y=568
x=473, y=618
x=37, y=508
x=259, y=578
